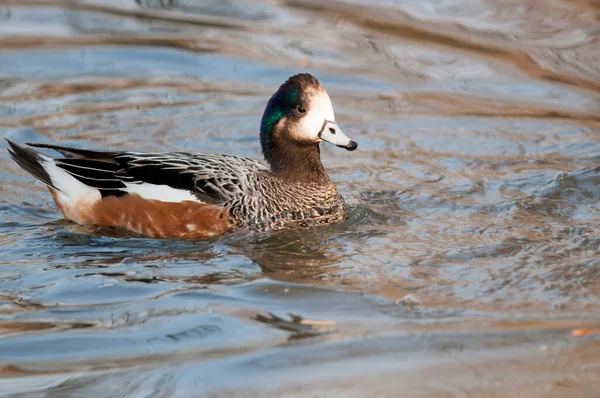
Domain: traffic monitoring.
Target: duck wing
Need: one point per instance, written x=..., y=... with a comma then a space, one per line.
x=165, y=176
x=212, y=178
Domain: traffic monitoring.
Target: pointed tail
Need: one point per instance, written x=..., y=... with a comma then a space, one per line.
x=31, y=161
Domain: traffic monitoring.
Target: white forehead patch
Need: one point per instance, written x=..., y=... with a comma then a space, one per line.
x=323, y=102
x=320, y=109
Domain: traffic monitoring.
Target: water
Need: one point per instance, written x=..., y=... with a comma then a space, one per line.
x=471, y=253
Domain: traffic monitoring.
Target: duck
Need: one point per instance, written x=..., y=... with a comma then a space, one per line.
x=200, y=195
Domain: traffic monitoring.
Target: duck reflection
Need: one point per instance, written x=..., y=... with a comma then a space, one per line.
x=293, y=255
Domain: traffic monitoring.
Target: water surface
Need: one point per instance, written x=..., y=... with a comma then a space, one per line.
x=471, y=253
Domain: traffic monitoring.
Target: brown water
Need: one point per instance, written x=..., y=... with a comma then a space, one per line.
x=473, y=247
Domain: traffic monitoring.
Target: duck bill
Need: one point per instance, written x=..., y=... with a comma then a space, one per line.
x=331, y=133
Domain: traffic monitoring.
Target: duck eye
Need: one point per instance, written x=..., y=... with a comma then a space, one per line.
x=301, y=109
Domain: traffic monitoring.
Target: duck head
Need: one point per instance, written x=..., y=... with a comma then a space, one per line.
x=300, y=113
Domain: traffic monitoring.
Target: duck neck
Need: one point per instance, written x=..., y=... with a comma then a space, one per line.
x=294, y=161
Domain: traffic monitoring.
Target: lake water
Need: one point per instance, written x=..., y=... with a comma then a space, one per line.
x=471, y=254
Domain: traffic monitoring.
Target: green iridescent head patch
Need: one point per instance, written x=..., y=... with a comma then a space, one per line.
x=282, y=103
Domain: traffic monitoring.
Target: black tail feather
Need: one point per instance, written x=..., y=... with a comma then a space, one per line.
x=30, y=161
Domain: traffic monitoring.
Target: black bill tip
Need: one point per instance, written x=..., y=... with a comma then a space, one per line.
x=352, y=145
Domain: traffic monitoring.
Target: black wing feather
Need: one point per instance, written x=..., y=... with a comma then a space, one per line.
x=153, y=173
x=98, y=174
x=78, y=153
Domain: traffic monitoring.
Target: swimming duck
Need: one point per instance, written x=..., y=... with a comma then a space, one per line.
x=199, y=195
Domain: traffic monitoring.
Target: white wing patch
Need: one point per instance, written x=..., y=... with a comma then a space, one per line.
x=71, y=190
x=164, y=193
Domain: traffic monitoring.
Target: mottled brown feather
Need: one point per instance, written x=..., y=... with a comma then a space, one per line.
x=183, y=220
